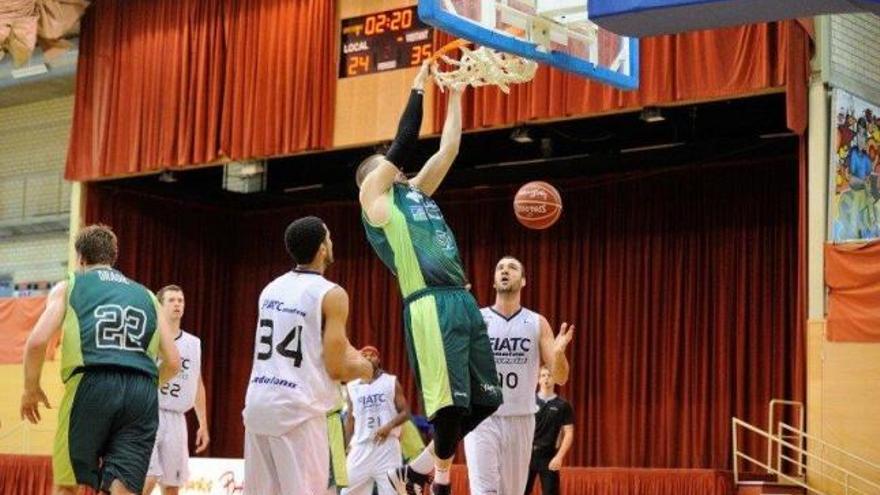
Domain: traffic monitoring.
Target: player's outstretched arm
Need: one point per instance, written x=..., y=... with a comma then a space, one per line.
x=435, y=169
x=379, y=180
x=169, y=357
x=46, y=328
x=402, y=406
x=342, y=360
x=553, y=350
x=407, y=137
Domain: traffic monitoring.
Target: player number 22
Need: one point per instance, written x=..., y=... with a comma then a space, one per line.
x=172, y=389
x=289, y=347
x=118, y=327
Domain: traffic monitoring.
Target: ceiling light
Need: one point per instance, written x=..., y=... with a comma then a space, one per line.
x=167, y=177
x=651, y=115
x=521, y=135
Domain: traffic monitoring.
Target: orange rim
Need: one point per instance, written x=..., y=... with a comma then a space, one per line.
x=448, y=47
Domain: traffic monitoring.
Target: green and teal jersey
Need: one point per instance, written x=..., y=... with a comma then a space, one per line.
x=110, y=321
x=415, y=243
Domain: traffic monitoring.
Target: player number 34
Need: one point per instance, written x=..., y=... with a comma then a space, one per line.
x=289, y=347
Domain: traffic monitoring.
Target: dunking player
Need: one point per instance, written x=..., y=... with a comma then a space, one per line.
x=498, y=451
x=377, y=408
x=113, y=332
x=301, y=350
x=445, y=333
x=170, y=459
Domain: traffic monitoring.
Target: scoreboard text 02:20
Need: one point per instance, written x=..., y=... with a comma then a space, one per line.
x=389, y=40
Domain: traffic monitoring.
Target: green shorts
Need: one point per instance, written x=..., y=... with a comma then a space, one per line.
x=449, y=350
x=107, y=426
x=336, y=437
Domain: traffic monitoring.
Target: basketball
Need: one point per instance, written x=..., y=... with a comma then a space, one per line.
x=537, y=205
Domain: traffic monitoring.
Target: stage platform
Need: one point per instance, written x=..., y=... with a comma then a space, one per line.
x=32, y=475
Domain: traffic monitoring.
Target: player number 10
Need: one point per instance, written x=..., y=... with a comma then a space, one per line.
x=510, y=380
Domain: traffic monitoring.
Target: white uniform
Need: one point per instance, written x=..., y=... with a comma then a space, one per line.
x=499, y=450
x=170, y=457
x=368, y=461
x=289, y=393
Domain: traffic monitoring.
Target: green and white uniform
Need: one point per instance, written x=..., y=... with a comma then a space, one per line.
x=445, y=333
x=108, y=364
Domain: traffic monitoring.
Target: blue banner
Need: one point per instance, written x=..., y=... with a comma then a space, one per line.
x=653, y=17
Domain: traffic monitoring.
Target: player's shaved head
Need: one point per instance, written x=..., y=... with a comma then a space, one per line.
x=366, y=166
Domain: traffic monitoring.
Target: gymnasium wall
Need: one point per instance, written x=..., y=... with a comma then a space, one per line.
x=17, y=317
x=17, y=436
x=33, y=149
x=852, y=60
x=843, y=387
x=843, y=378
x=367, y=107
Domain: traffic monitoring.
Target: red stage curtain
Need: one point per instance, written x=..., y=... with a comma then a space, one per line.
x=697, y=66
x=25, y=474
x=852, y=273
x=28, y=475
x=684, y=286
x=173, y=83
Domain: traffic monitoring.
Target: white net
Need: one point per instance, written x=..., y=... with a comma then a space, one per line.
x=483, y=67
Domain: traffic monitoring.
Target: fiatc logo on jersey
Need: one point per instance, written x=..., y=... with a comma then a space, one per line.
x=185, y=365
x=275, y=305
x=372, y=400
x=511, y=350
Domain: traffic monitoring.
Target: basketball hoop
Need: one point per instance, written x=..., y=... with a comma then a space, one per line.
x=480, y=67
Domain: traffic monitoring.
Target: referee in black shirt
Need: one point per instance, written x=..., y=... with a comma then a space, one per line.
x=554, y=433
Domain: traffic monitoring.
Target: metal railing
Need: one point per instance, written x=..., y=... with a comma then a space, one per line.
x=853, y=462
x=810, y=466
x=800, y=411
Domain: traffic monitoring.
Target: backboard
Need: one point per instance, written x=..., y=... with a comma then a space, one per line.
x=554, y=32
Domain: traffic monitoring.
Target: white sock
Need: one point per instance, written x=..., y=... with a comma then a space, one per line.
x=424, y=462
x=441, y=476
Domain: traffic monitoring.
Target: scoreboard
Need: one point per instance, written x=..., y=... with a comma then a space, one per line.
x=394, y=39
